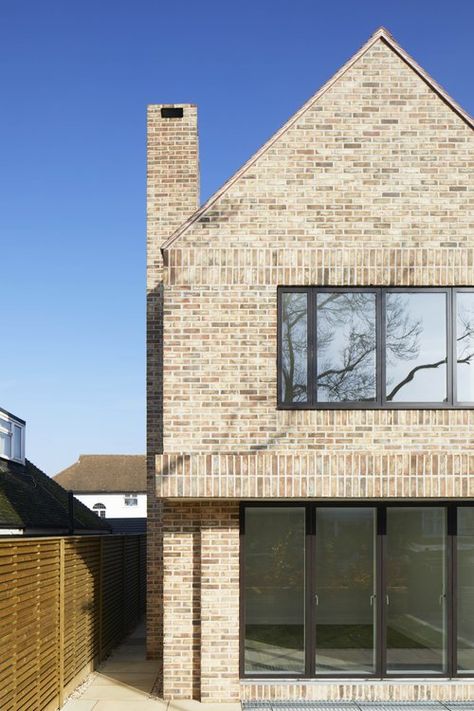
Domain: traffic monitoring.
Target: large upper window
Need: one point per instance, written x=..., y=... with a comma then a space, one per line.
x=375, y=347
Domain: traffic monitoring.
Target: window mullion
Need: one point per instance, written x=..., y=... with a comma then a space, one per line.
x=453, y=347
x=309, y=582
x=452, y=591
x=381, y=621
x=312, y=316
x=449, y=347
x=382, y=348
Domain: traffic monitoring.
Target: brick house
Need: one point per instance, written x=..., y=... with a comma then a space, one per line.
x=310, y=399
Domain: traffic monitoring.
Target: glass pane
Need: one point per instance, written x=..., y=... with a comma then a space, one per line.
x=5, y=444
x=416, y=590
x=17, y=433
x=5, y=425
x=274, y=590
x=416, y=347
x=294, y=347
x=465, y=346
x=345, y=347
x=345, y=590
x=465, y=589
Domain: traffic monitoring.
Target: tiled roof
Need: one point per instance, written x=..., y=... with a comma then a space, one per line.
x=105, y=473
x=31, y=499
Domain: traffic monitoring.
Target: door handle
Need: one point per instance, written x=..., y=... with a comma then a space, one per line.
x=387, y=600
x=372, y=599
x=316, y=599
x=441, y=598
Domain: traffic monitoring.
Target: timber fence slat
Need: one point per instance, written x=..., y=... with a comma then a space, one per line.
x=65, y=602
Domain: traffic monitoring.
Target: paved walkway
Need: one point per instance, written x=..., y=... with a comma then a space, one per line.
x=124, y=683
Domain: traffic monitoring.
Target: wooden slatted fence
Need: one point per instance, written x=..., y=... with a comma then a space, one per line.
x=65, y=602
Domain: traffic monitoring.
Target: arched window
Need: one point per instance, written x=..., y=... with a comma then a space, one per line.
x=100, y=510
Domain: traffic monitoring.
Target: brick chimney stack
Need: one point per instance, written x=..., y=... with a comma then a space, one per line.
x=172, y=176
x=172, y=196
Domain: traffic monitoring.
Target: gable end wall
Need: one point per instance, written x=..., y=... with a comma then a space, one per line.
x=371, y=186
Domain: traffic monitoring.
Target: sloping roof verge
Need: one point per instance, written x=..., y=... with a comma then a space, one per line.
x=381, y=34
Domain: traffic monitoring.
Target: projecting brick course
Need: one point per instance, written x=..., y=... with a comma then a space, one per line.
x=370, y=184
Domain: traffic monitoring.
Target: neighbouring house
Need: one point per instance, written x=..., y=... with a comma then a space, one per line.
x=31, y=503
x=311, y=398
x=111, y=485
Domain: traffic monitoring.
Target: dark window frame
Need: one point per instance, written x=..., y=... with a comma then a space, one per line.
x=380, y=402
x=380, y=672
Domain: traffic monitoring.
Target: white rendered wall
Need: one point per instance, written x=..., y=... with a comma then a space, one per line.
x=115, y=505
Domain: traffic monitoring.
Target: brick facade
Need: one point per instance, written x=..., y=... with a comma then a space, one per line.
x=370, y=183
x=172, y=194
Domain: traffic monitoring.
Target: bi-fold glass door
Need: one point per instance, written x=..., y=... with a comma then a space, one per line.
x=415, y=573
x=345, y=590
x=357, y=590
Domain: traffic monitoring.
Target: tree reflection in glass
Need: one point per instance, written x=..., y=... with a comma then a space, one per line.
x=415, y=347
x=416, y=372
x=294, y=347
x=346, y=346
x=465, y=345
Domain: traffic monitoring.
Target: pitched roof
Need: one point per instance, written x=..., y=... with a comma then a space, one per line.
x=105, y=473
x=381, y=35
x=31, y=499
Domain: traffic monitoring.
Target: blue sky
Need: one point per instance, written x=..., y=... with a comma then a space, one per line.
x=75, y=80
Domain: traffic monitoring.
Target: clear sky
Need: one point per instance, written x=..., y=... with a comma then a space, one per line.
x=75, y=80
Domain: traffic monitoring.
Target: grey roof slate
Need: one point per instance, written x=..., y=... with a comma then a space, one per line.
x=31, y=499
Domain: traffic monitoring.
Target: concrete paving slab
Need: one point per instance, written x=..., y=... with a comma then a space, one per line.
x=117, y=665
x=140, y=681
x=116, y=691
x=79, y=705
x=147, y=705
x=125, y=681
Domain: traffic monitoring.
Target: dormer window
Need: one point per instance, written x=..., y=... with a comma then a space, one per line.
x=12, y=437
